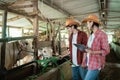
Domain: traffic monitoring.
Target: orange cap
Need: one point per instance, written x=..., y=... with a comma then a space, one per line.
x=93, y=18
x=72, y=22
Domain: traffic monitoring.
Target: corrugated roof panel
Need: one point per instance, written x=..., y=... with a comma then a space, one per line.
x=114, y=14
x=49, y=12
x=10, y=15
x=114, y=23
x=86, y=9
x=77, y=6
x=20, y=23
x=113, y=20
x=114, y=5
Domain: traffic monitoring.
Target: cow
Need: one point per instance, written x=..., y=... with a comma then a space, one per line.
x=45, y=53
x=27, y=52
x=16, y=52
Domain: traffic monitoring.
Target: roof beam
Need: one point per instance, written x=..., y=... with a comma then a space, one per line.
x=16, y=12
x=30, y=21
x=14, y=18
x=18, y=27
x=21, y=6
x=19, y=2
x=54, y=6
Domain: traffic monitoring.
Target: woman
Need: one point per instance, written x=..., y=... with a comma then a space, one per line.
x=98, y=48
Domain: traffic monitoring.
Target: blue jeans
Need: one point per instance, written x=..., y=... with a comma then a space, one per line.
x=92, y=75
x=78, y=72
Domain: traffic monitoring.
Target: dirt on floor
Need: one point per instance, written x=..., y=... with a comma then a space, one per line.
x=112, y=68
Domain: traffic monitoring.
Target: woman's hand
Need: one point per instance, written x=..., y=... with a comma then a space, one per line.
x=92, y=52
x=89, y=51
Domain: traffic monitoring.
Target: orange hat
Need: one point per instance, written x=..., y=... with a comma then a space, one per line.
x=72, y=22
x=93, y=18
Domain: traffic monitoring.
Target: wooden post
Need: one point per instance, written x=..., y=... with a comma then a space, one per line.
x=48, y=32
x=35, y=25
x=59, y=43
x=3, y=46
x=8, y=31
x=3, y=36
x=53, y=38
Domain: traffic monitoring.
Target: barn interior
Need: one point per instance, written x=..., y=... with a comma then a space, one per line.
x=34, y=41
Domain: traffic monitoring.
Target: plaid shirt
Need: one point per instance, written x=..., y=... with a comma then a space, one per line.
x=100, y=43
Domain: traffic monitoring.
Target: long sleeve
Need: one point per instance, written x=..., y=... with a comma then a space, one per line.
x=105, y=45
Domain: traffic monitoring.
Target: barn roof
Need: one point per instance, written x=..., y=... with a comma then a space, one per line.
x=21, y=12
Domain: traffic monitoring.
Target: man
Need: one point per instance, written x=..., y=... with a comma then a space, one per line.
x=76, y=56
x=98, y=48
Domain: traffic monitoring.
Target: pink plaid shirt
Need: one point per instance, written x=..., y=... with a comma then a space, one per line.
x=100, y=43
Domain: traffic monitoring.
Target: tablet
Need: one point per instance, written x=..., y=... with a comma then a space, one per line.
x=81, y=47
